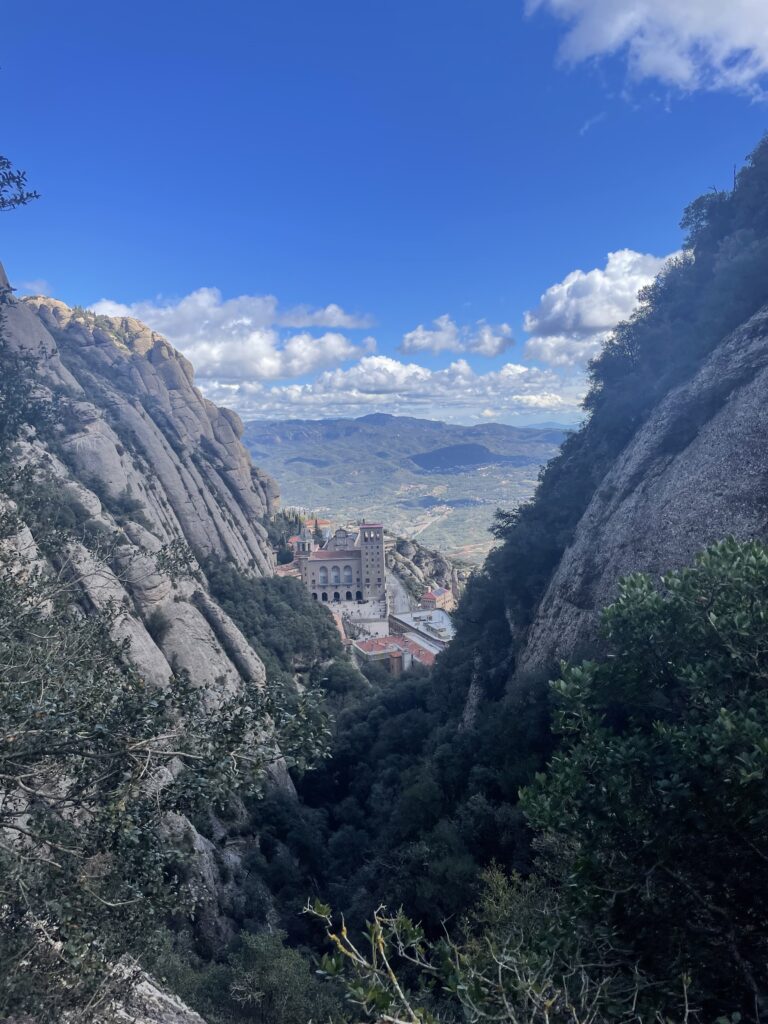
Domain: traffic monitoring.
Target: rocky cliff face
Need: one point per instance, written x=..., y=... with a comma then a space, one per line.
x=695, y=472
x=141, y=415
x=157, y=470
x=420, y=568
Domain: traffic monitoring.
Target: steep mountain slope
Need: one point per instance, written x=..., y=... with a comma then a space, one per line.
x=695, y=472
x=420, y=568
x=672, y=457
x=142, y=483
x=142, y=453
x=436, y=481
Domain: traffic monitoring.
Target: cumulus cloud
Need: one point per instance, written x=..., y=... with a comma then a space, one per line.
x=245, y=338
x=329, y=316
x=267, y=362
x=446, y=336
x=690, y=44
x=381, y=383
x=575, y=316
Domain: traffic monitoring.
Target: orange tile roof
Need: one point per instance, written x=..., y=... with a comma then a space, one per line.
x=382, y=644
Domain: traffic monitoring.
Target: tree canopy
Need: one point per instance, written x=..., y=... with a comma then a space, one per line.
x=648, y=899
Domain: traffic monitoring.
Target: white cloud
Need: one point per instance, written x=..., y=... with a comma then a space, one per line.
x=39, y=286
x=446, y=336
x=381, y=383
x=575, y=317
x=329, y=316
x=590, y=123
x=266, y=362
x=690, y=44
x=244, y=338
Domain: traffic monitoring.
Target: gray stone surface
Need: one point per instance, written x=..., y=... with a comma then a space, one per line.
x=147, y=432
x=149, y=462
x=694, y=473
x=148, y=1003
x=142, y=452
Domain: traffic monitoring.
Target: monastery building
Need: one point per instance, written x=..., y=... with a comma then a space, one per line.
x=348, y=566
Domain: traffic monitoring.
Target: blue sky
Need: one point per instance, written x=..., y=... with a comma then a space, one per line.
x=343, y=207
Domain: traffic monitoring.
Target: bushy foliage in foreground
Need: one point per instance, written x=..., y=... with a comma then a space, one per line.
x=261, y=980
x=92, y=763
x=650, y=896
x=13, y=187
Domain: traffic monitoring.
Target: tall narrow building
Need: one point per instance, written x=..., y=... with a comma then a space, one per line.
x=371, y=541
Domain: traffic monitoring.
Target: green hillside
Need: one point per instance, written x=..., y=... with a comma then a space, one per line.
x=436, y=481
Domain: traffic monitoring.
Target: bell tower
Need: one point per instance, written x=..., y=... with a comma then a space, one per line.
x=372, y=559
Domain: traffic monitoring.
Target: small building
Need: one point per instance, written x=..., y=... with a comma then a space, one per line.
x=436, y=627
x=438, y=597
x=289, y=570
x=394, y=653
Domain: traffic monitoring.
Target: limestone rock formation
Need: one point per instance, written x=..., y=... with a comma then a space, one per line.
x=420, y=568
x=146, y=431
x=145, y=456
x=150, y=1004
x=694, y=473
x=146, y=462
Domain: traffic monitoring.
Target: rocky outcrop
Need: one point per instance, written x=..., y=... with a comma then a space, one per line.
x=150, y=1004
x=158, y=481
x=145, y=458
x=419, y=568
x=143, y=430
x=695, y=472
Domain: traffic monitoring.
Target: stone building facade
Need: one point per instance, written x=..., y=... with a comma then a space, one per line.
x=438, y=597
x=349, y=566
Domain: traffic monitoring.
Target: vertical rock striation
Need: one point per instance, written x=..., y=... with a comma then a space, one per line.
x=695, y=472
x=157, y=471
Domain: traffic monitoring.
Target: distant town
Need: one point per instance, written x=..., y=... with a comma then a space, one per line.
x=345, y=568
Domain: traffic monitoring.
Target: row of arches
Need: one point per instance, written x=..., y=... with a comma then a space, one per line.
x=335, y=578
x=337, y=596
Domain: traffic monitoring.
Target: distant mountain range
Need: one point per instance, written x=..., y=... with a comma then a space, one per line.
x=439, y=481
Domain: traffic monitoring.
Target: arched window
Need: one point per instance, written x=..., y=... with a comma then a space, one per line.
x=347, y=574
x=359, y=595
x=323, y=576
x=325, y=596
x=336, y=575
x=349, y=595
x=336, y=595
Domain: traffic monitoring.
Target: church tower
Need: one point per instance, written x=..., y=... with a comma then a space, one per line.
x=372, y=558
